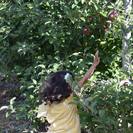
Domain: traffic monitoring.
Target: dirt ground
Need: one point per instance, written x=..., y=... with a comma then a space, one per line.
x=10, y=124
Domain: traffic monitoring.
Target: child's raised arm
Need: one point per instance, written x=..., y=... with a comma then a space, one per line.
x=91, y=70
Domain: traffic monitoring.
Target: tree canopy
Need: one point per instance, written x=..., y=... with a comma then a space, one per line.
x=38, y=37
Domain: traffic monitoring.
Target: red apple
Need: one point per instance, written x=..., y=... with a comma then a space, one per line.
x=86, y=31
x=113, y=15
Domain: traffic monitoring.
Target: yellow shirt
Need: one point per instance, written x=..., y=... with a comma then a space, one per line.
x=63, y=116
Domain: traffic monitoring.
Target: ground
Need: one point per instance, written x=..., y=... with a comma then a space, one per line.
x=10, y=124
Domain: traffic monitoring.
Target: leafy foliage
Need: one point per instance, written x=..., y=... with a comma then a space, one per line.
x=110, y=108
x=38, y=37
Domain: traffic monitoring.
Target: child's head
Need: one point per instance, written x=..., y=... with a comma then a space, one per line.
x=55, y=88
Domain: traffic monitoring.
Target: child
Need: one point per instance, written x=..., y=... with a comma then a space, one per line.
x=57, y=97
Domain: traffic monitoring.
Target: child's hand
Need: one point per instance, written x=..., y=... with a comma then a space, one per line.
x=96, y=60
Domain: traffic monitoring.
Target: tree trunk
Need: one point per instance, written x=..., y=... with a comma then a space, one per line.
x=126, y=42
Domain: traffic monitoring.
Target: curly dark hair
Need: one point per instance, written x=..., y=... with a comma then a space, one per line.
x=55, y=88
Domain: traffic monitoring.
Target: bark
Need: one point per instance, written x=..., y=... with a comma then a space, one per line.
x=126, y=42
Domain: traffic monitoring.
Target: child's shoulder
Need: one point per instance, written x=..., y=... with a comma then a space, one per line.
x=42, y=110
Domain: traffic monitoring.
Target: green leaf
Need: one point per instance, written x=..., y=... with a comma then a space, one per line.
x=34, y=81
x=83, y=1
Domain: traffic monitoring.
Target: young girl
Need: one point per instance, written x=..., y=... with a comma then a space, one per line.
x=57, y=97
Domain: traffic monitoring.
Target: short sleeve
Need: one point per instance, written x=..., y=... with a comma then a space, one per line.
x=42, y=111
